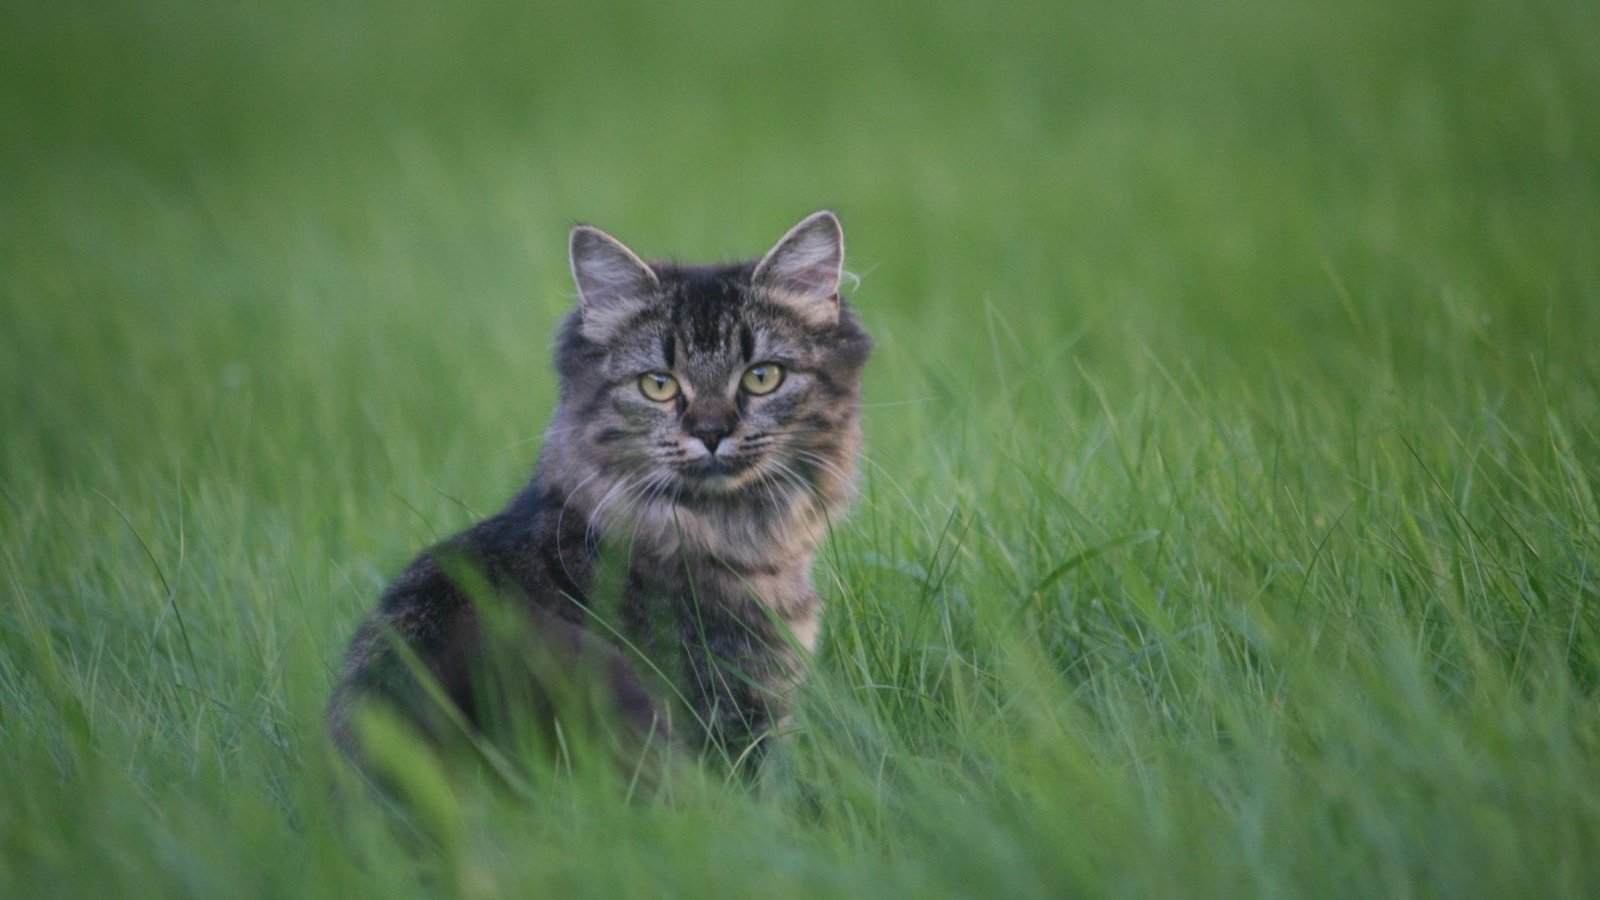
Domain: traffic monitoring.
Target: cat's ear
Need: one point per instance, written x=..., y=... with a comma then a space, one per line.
x=801, y=273
x=613, y=282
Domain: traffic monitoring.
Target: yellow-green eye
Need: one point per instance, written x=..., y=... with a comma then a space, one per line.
x=658, y=386
x=762, y=378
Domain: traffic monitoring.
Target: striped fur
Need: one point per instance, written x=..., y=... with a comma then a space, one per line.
x=664, y=578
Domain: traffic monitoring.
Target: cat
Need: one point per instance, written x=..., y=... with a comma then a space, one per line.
x=705, y=435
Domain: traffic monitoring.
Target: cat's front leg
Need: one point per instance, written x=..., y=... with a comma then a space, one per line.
x=740, y=675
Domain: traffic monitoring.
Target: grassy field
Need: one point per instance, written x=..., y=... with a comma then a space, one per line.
x=1232, y=519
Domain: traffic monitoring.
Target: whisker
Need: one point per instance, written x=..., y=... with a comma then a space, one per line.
x=639, y=501
x=910, y=505
x=561, y=552
x=890, y=403
x=548, y=433
x=596, y=516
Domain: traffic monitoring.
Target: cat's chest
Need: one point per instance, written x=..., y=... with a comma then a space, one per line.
x=673, y=601
x=716, y=586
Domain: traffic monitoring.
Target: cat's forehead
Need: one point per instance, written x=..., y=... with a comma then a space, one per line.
x=707, y=307
x=712, y=313
x=706, y=322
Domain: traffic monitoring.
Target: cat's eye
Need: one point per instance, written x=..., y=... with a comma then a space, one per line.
x=658, y=386
x=762, y=378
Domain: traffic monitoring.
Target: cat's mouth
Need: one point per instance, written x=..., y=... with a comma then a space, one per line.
x=716, y=474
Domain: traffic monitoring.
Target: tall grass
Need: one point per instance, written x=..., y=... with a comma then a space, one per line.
x=1230, y=521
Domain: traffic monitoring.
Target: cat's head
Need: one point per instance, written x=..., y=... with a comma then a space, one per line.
x=714, y=384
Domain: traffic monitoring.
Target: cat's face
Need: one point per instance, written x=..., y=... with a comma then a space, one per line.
x=710, y=384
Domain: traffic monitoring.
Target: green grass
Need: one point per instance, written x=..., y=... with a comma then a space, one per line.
x=1230, y=526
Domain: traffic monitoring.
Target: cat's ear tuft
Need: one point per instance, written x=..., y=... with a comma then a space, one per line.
x=613, y=282
x=801, y=273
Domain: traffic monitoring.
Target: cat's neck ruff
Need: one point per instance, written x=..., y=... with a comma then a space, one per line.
x=766, y=526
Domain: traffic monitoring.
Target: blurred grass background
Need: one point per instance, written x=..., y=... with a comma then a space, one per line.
x=1230, y=525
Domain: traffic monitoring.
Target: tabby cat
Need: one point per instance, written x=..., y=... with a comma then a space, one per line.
x=659, y=561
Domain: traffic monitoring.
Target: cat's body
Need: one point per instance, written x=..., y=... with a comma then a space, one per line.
x=706, y=432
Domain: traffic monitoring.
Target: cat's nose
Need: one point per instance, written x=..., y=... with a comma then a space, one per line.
x=710, y=423
x=711, y=437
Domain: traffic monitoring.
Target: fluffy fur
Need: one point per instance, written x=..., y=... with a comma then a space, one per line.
x=703, y=511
